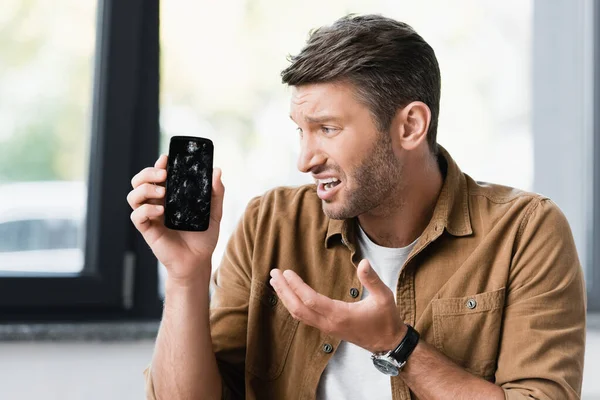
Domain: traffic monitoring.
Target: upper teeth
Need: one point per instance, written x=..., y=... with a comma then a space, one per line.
x=328, y=180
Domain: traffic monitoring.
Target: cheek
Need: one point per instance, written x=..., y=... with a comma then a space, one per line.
x=347, y=158
x=351, y=165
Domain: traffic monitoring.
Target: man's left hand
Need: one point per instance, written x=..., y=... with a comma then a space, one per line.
x=372, y=323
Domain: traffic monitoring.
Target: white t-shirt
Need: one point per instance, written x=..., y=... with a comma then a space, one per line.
x=350, y=373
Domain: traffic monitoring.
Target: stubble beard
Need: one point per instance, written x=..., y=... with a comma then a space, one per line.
x=376, y=182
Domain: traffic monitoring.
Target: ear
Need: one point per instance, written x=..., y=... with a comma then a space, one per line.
x=412, y=124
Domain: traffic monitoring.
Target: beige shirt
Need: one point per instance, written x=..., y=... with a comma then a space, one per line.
x=494, y=282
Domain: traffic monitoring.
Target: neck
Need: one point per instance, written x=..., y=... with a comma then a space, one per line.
x=405, y=216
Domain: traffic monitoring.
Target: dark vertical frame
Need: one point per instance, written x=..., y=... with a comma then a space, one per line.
x=146, y=299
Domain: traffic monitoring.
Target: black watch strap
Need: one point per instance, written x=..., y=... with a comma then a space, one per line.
x=406, y=346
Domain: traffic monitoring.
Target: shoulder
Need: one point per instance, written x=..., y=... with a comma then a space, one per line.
x=501, y=200
x=538, y=222
x=519, y=208
x=500, y=194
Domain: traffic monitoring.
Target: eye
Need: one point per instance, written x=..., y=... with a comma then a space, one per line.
x=327, y=130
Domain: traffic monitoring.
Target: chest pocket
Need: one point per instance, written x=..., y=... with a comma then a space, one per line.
x=467, y=329
x=271, y=329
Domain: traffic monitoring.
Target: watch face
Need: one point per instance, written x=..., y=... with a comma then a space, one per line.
x=385, y=366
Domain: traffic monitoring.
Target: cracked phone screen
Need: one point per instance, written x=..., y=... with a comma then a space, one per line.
x=189, y=183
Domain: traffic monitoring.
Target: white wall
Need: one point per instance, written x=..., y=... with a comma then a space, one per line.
x=73, y=370
x=563, y=111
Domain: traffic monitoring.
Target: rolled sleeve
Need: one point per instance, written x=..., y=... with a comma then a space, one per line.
x=543, y=334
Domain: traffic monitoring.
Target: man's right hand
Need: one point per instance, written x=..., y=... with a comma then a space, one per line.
x=186, y=255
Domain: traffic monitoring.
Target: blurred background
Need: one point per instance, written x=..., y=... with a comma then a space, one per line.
x=91, y=92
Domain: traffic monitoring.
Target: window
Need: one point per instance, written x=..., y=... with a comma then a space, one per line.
x=45, y=104
x=74, y=109
x=39, y=234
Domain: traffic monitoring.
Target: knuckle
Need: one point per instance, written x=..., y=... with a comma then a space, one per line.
x=133, y=217
x=148, y=190
x=295, y=311
x=140, y=213
x=310, y=303
x=136, y=198
x=141, y=177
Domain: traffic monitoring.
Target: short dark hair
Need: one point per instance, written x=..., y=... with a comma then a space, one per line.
x=387, y=62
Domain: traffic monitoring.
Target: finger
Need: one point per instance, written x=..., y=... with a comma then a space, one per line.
x=146, y=193
x=369, y=278
x=294, y=305
x=143, y=215
x=161, y=162
x=216, y=201
x=311, y=299
x=149, y=175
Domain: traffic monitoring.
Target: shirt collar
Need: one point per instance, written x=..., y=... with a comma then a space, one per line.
x=451, y=211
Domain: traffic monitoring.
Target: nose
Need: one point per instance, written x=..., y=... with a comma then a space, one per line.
x=310, y=153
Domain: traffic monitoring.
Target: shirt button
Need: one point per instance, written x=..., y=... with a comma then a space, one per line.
x=471, y=303
x=354, y=292
x=327, y=348
x=272, y=300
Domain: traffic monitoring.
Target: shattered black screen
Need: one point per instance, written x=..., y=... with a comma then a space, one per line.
x=189, y=183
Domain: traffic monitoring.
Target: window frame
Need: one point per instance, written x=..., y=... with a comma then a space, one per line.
x=120, y=277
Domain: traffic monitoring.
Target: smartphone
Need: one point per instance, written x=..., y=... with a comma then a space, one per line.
x=189, y=183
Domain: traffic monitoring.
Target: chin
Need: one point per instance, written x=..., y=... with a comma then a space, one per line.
x=335, y=211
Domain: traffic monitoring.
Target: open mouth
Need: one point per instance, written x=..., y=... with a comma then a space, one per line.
x=328, y=184
x=327, y=187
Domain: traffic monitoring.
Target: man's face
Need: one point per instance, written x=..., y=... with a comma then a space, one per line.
x=353, y=164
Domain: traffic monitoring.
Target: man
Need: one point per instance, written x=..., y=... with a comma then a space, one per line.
x=395, y=276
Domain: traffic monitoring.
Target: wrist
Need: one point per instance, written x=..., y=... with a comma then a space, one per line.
x=392, y=342
x=192, y=285
x=201, y=276
x=392, y=361
x=187, y=293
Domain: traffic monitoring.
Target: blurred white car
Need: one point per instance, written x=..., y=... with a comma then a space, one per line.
x=42, y=226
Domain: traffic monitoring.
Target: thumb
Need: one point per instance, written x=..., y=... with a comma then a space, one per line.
x=369, y=278
x=218, y=193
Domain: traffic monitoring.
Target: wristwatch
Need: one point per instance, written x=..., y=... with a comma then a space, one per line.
x=391, y=362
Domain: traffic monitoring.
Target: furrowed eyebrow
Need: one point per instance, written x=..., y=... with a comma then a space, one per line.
x=318, y=120
x=322, y=119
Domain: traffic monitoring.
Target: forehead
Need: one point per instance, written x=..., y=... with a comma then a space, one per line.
x=319, y=98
